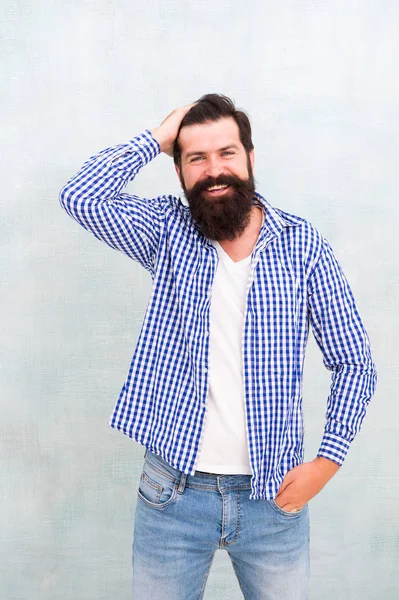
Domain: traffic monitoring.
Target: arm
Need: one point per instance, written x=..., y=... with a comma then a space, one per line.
x=343, y=341
x=94, y=198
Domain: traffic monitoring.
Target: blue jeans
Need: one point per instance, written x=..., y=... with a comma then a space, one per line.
x=181, y=520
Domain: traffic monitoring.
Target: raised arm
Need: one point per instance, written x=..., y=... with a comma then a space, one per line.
x=94, y=198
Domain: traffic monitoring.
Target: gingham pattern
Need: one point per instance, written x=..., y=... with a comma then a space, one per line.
x=295, y=279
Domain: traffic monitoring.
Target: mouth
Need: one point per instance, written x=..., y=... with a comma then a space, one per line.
x=217, y=192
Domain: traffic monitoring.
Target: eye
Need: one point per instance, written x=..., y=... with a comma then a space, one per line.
x=194, y=159
x=228, y=152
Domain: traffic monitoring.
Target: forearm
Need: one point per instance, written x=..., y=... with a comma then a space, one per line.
x=342, y=338
x=106, y=173
x=351, y=390
x=93, y=198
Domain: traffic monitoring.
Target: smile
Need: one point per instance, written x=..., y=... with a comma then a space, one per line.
x=217, y=192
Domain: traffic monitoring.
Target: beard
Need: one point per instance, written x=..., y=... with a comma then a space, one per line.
x=225, y=216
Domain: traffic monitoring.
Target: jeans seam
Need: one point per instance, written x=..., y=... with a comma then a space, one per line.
x=225, y=544
x=155, y=506
x=201, y=594
x=238, y=579
x=151, y=483
x=164, y=473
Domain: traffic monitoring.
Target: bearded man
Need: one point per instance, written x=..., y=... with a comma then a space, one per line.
x=214, y=390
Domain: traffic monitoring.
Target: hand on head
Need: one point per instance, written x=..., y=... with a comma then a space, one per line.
x=166, y=133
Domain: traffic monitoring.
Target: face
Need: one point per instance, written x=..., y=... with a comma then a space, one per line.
x=212, y=154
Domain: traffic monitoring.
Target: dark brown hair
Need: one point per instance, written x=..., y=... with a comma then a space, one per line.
x=213, y=107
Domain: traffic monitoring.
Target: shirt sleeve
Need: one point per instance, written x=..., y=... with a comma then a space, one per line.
x=345, y=346
x=123, y=221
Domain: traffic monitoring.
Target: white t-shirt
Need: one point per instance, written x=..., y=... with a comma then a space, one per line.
x=224, y=444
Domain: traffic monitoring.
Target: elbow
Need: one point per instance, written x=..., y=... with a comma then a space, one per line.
x=64, y=197
x=69, y=198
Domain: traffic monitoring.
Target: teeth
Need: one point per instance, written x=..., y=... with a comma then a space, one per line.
x=217, y=187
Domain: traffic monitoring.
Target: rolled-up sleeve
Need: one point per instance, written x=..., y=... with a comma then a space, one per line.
x=346, y=350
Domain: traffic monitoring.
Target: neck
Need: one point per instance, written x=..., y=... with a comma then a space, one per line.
x=254, y=224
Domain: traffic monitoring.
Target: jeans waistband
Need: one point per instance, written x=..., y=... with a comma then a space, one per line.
x=201, y=478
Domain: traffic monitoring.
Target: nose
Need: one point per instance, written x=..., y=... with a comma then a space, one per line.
x=214, y=167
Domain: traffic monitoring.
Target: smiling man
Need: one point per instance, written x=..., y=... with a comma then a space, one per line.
x=214, y=390
x=218, y=179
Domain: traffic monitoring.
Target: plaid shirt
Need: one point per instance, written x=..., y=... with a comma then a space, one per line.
x=295, y=280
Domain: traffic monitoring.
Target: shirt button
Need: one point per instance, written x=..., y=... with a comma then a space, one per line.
x=206, y=333
x=205, y=370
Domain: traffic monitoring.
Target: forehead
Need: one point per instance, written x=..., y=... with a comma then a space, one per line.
x=210, y=136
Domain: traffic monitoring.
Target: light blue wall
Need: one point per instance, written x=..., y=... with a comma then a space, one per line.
x=320, y=83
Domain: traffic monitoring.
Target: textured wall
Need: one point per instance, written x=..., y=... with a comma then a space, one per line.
x=319, y=81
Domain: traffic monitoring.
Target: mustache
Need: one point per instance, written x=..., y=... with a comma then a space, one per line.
x=200, y=186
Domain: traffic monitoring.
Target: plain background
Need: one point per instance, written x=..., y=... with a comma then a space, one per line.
x=319, y=81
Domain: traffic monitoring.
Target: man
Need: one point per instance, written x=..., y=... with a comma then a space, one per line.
x=214, y=388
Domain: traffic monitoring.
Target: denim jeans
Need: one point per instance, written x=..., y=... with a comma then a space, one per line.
x=181, y=520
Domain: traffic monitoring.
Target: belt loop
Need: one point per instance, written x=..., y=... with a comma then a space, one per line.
x=182, y=483
x=145, y=453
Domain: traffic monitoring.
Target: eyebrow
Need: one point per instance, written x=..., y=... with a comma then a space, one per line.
x=198, y=152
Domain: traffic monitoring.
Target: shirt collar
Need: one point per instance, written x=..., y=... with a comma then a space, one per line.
x=275, y=220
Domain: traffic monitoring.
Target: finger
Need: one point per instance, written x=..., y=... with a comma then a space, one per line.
x=285, y=484
x=287, y=505
x=290, y=476
x=292, y=509
x=188, y=107
x=282, y=502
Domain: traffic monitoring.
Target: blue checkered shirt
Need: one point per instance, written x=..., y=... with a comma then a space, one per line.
x=295, y=280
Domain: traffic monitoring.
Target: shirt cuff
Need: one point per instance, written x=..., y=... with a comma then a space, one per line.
x=143, y=145
x=146, y=146
x=334, y=447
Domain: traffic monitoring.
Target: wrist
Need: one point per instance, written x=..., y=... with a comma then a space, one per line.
x=159, y=137
x=326, y=467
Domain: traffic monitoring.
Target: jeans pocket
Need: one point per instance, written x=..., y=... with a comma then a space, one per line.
x=157, y=488
x=285, y=513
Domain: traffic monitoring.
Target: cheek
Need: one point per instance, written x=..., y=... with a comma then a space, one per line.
x=190, y=179
x=245, y=171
